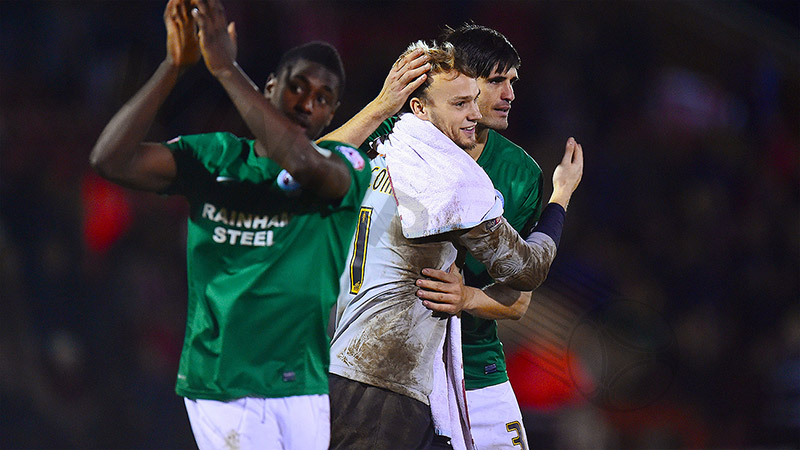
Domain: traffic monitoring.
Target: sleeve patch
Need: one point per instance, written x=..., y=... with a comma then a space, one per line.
x=287, y=182
x=352, y=155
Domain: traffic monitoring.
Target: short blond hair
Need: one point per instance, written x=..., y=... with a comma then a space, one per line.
x=442, y=58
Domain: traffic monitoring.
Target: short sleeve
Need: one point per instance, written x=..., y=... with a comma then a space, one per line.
x=360, y=173
x=189, y=169
x=198, y=157
x=383, y=129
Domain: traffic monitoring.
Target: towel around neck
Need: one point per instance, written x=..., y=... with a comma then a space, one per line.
x=437, y=185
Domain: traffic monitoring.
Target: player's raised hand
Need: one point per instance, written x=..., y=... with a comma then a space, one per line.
x=217, y=37
x=183, y=49
x=407, y=74
x=568, y=173
x=443, y=291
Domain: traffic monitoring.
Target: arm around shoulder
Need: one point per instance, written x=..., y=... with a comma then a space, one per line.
x=497, y=302
x=406, y=75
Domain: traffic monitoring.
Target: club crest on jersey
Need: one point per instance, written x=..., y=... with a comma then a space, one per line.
x=352, y=155
x=286, y=182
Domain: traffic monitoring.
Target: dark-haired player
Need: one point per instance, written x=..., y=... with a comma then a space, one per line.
x=488, y=54
x=254, y=363
x=495, y=417
x=384, y=345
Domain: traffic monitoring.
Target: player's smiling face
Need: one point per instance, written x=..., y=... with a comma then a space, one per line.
x=497, y=93
x=450, y=104
x=306, y=92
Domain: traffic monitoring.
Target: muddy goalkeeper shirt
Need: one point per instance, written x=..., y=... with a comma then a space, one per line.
x=263, y=259
x=384, y=336
x=519, y=180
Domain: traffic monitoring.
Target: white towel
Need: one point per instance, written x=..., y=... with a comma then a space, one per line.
x=448, y=398
x=437, y=185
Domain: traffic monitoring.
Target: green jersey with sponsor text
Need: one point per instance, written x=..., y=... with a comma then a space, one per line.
x=519, y=179
x=264, y=259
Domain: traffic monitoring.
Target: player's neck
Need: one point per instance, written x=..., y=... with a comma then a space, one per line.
x=481, y=135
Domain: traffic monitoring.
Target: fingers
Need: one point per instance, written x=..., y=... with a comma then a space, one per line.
x=413, y=79
x=409, y=70
x=232, y=32
x=569, y=150
x=198, y=5
x=573, y=153
x=440, y=275
x=199, y=12
x=441, y=291
x=171, y=8
x=412, y=66
x=182, y=8
x=414, y=59
x=215, y=5
x=445, y=308
x=454, y=269
x=437, y=295
x=435, y=286
x=439, y=301
x=176, y=12
x=208, y=13
x=578, y=157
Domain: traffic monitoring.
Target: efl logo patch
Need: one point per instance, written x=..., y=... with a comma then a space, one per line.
x=286, y=182
x=352, y=155
x=491, y=224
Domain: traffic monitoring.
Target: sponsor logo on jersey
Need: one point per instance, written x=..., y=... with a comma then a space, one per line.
x=287, y=182
x=245, y=229
x=352, y=155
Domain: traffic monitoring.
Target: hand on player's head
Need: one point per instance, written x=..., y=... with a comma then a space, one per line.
x=406, y=75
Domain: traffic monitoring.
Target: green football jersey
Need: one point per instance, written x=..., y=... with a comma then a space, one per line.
x=519, y=179
x=264, y=259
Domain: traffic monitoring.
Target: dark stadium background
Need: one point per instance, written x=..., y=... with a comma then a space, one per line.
x=671, y=316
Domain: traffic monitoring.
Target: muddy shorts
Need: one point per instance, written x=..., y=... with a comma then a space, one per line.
x=369, y=417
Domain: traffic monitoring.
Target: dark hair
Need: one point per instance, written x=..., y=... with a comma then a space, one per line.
x=318, y=52
x=482, y=48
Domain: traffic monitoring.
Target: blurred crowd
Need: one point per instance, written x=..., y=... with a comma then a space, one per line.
x=689, y=115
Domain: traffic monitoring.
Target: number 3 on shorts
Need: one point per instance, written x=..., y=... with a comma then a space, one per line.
x=516, y=440
x=357, y=262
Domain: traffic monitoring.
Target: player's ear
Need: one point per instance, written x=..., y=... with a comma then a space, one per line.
x=269, y=88
x=417, y=106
